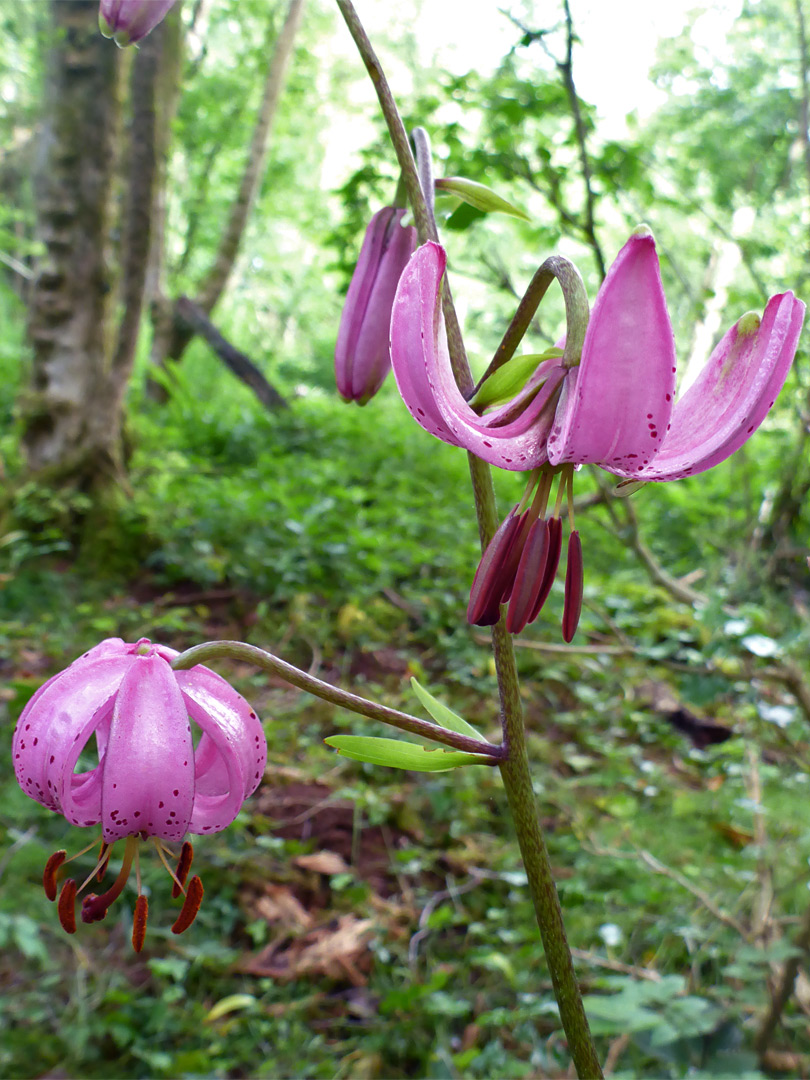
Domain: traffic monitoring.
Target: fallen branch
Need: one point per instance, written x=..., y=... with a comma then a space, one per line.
x=235, y=360
x=785, y=989
x=631, y=533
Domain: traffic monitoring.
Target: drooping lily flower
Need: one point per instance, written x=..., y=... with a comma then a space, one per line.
x=614, y=407
x=151, y=780
x=127, y=21
x=362, y=353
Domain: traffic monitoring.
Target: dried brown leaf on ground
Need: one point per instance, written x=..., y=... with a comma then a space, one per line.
x=336, y=950
x=323, y=862
x=281, y=906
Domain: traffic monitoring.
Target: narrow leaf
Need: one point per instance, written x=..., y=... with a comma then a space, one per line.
x=503, y=384
x=398, y=754
x=443, y=716
x=228, y=1005
x=463, y=216
x=479, y=196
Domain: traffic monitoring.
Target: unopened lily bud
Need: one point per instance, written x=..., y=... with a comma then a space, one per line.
x=363, y=352
x=127, y=21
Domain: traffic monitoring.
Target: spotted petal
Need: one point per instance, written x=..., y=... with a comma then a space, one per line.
x=732, y=395
x=425, y=378
x=54, y=729
x=232, y=752
x=148, y=769
x=616, y=405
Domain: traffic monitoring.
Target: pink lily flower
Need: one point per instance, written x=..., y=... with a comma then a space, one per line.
x=362, y=354
x=150, y=780
x=615, y=408
x=127, y=21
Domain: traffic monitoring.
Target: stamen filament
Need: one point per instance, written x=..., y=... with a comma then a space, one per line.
x=540, y=501
x=570, y=486
x=560, y=493
x=104, y=860
x=526, y=497
x=84, y=850
x=177, y=884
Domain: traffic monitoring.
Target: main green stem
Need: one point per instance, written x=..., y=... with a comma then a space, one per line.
x=515, y=768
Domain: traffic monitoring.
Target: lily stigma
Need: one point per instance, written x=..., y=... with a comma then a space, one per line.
x=609, y=401
x=151, y=780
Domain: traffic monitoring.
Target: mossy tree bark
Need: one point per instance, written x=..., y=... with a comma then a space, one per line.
x=83, y=348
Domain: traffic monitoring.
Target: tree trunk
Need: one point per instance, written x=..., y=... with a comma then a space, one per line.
x=70, y=296
x=81, y=364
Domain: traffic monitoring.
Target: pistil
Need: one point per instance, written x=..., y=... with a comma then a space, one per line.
x=94, y=908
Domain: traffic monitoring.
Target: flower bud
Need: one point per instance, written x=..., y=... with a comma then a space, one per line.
x=127, y=21
x=362, y=353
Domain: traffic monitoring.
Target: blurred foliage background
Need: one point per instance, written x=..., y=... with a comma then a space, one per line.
x=363, y=922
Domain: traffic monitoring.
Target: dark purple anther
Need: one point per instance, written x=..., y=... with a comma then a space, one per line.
x=529, y=577
x=552, y=562
x=489, y=583
x=573, y=588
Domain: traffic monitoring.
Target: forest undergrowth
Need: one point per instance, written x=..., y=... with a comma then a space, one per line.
x=363, y=922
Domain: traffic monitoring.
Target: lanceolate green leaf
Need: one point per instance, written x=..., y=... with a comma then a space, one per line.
x=479, y=196
x=503, y=384
x=443, y=716
x=398, y=754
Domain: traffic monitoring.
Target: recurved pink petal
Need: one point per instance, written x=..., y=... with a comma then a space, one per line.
x=54, y=728
x=425, y=379
x=616, y=405
x=232, y=753
x=148, y=768
x=108, y=647
x=731, y=396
